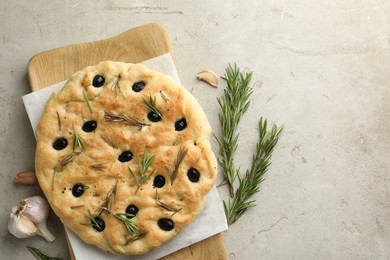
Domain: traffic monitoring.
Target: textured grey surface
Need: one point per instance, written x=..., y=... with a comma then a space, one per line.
x=321, y=69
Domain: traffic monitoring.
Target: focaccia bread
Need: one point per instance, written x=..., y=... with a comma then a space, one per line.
x=123, y=156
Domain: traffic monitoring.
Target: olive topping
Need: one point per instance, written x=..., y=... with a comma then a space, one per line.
x=159, y=181
x=60, y=143
x=98, y=81
x=125, y=156
x=89, y=126
x=131, y=209
x=78, y=190
x=180, y=124
x=154, y=117
x=193, y=175
x=98, y=224
x=166, y=224
x=138, y=86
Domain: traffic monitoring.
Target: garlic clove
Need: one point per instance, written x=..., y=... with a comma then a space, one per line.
x=21, y=227
x=44, y=232
x=26, y=178
x=208, y=76
x=36, y=209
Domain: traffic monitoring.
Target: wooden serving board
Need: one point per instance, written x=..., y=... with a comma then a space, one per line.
x=135, y=45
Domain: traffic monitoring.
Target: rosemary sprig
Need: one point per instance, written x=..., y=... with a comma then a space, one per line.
x=107, y=203
x=87, y=101
x=249, y=184
x=166, y=206
x=180, y=157
x=234, y=103
x=65, y=160
x=111, y=117
x=40, y=255
x=143, y=168
x=92, y=220
x=115, y=85
x=78, y=141
x=151, y=105
x=129, y=223
x=98, y=167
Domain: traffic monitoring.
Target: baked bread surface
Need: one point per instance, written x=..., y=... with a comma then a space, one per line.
x=93, y=141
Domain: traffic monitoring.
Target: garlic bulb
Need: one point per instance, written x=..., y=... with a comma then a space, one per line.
x=28, y=219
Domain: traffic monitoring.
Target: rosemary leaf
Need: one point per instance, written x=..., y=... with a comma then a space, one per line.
x=151, y=105
x=59, y=121
x=40, y=255
x=92, y=221
x=127, y=220
x=78, y=141
x=135, y=177
x=140, y=235
x=76, y=206
x=87, y=101
x=98, y=167
x=233, y=103
x=249, y=183
x=163, y=96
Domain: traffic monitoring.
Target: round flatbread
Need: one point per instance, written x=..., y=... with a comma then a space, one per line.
x=123, y=156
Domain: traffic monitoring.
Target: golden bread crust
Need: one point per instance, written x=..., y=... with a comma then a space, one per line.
x=122, y=125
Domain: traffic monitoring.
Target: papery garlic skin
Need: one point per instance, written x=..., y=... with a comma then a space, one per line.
x=19, y=226
x=36, y=209
x=29, y=219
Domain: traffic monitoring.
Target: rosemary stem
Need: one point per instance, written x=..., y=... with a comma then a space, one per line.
x=231, y=190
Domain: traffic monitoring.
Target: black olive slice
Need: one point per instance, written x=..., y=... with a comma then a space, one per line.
x=98, y=224
x=138, y=86
x=159, y=181
x=166, y=224
x=180, y=124
x=89, y=126
x=153, y=117
x=131, y=209
x=193, y=175
x=98, y=81
x=78, y=190
x=60, y=143
x=125, y=156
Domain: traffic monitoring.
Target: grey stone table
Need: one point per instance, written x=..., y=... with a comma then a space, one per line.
x=321, y=68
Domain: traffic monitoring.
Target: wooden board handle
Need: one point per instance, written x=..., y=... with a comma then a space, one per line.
x=135, y=45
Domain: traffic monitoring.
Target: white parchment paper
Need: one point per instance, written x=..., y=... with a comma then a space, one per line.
x=210, y=221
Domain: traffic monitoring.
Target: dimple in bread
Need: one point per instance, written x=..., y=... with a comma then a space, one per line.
x=124, y=157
